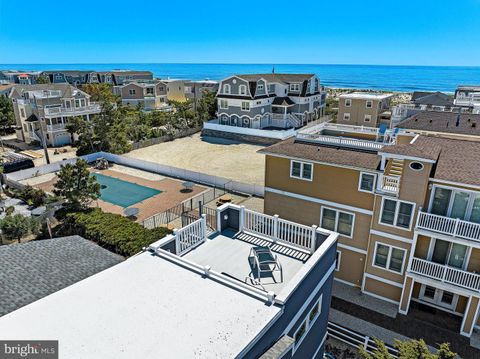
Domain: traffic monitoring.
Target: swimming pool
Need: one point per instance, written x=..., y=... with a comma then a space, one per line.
x=122, y=193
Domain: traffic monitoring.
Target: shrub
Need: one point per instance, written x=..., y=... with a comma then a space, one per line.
x=112, y=231
x=33, y=196
x=18, y=226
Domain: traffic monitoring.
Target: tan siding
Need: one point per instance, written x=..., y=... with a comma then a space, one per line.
x=416, y=290
x=380, y=272
x=327, y=180
x=414, y=184
x=390, y=229
x=357, y=112
x=421, y=249
x=461, y=304
x=351, y=266
x=308, y=213
x=474, y=262
x=383, y=289
x=470, y=314
x=406, y=293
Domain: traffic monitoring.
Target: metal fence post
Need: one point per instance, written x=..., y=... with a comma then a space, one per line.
x=177, y=243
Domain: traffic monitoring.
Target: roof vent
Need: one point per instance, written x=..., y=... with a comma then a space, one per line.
x=469, y=120
x=458, y=121
x=430, y=121
x=474, y=125
x=416, y=119
x=447, y=124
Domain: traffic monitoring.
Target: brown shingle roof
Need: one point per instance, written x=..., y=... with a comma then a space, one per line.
x=421, y=147
x=281, y=78
x=438, y=121
x=325, y=154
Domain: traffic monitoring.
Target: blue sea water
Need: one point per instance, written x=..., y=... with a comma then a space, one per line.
x=379, y=77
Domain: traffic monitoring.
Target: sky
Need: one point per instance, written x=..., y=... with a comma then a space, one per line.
x=388, y=32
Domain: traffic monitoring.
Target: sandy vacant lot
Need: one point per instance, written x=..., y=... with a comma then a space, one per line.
x=216, y=156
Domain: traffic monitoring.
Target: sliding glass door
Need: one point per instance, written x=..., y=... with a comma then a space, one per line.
x=456, y=204
x=451, y=254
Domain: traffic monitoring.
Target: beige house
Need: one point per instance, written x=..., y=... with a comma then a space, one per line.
x=407, y=207
x=364, y=109
x=150, y=94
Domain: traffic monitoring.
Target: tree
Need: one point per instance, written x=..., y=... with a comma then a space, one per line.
x=17, y=226
x=410, y=349
x=207, y=106
x=100, y=93
x=76, y=185
x=42, y=79
x=7, y=116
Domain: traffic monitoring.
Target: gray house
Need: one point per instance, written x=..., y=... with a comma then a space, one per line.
x=270, y=100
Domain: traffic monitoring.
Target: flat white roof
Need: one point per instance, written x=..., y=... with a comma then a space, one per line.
x=366, y=95
x=145, y=307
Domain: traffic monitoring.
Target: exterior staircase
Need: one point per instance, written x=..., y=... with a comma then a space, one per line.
x=294, y=121
x=392, y=176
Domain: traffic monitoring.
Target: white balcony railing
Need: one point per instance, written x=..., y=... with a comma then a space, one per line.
x=341, y=141
x=389, y=184
x=56, y=127
x=190, y=236
x=449, y=226
x=92, y=108
x=445, y=274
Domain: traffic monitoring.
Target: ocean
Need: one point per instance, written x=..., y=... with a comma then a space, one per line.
x=377, y=77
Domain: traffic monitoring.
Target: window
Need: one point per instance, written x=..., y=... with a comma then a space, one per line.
x=223, y=104
x=226, y=88
x=132, y=92
x=369, y=104
x=149, y=91
x=416, y=166
x=295, y=87
x=389, y=257
x=301, y=170
x=367, y=118
x=260, y=87
x=271, y=88
x=22, y=112
x=245, y=106
x=337, y=221
x=337, y=260
x=242, y=89
x=346, y=116
x=348, y=102
x=396, y=213
x=307, y=323
x=367, y=182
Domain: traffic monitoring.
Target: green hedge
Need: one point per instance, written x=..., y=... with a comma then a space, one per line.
x=112, y=231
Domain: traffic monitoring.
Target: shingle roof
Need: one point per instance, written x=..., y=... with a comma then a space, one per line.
x=30, y=271
x=434, y=98
x=283, y=101
x=281, y=78
x=325, y=154
x=66, y=89
x=439, y=121
x=422, y=147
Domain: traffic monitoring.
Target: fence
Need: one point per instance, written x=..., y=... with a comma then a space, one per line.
x=280, y=230
x=184, y=208
x=166, y=138
x=190, y=236
x=169, y=171
x=356, y=339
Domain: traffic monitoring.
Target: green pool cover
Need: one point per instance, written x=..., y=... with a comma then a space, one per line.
x=122, y=193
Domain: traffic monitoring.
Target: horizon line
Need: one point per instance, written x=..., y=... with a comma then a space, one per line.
x=231, y=63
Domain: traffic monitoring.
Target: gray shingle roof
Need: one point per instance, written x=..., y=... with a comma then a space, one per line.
x=434, y=99
x=66, y=90
x=281, y=78
x=439, y=121
x=30, y=271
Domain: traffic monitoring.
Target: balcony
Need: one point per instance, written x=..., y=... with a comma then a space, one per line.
x=56, y=127
x=389, y=184
x=73, y=111
x=450, y=226
x=445, y=274
x=341, y=141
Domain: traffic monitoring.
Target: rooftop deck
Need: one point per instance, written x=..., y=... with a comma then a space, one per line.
x=229, y=253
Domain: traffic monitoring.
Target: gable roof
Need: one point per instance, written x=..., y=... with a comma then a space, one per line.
x=66, y=89
x=283, y=101
x=433, y=98
x=30, y=271
x=441, y=121
x=280, y=78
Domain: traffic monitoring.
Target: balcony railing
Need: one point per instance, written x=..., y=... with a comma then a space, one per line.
x=389, y=184
x=341, y=141
x=445, y=274
x=56, y=127
x=450, y=226
x=92, y=108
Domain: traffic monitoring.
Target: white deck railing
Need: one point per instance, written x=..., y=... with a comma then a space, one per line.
x=450, y=226
x=445, y=274
x=92, y=108
x=389, y=184
x=342, y=141
x=280, y=230
x=190, y=236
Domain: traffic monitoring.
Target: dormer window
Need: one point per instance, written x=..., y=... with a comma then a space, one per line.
x=242, y=89
x=295, y=87
x=260, y=87
x=226, y=88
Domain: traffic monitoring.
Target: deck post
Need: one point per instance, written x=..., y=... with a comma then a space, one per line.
x=313, y=243
x=275, y=228
x=241, y=217
x=204, y=227
x=177, y=244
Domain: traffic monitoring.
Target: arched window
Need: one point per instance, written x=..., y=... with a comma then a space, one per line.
x=226, y=88
x=242, y=89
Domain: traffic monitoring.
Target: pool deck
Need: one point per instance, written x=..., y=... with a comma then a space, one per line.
x=170, y=194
